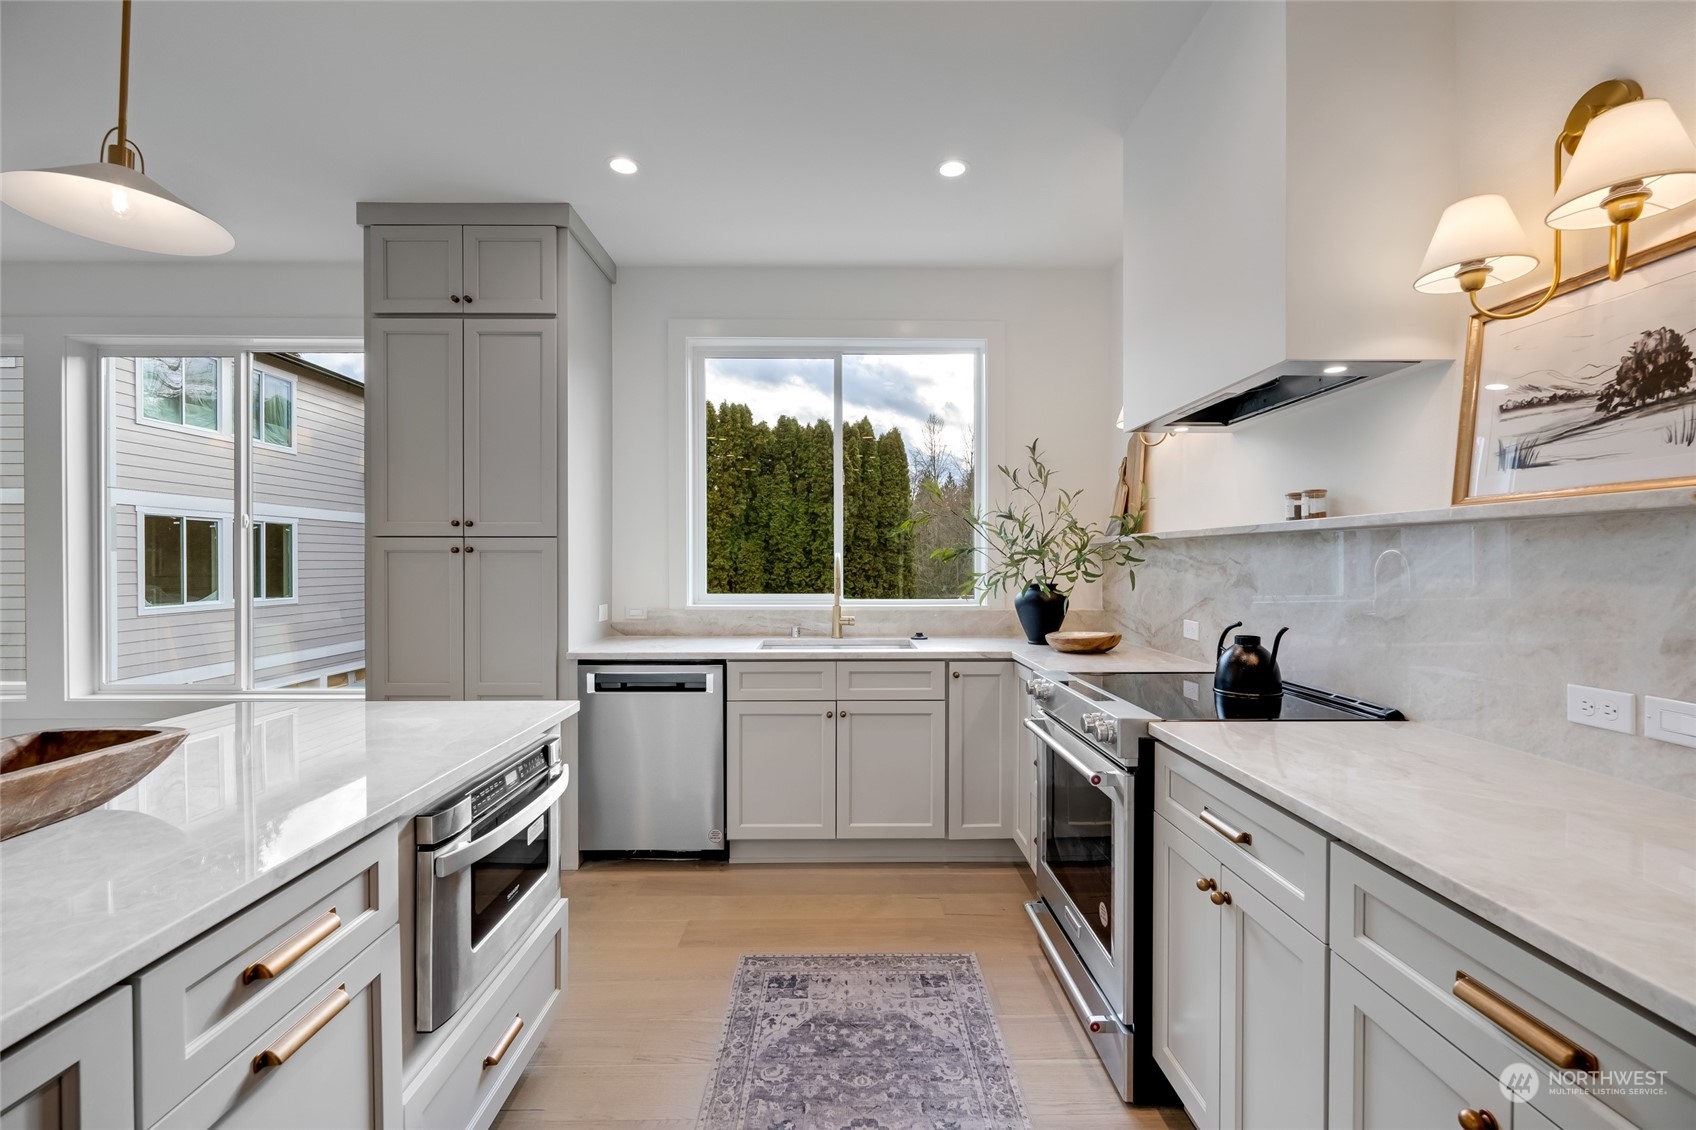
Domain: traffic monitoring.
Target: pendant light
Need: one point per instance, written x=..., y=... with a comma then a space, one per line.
x=111, y=200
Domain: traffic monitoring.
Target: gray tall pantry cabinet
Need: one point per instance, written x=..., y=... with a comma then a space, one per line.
x=472, y=313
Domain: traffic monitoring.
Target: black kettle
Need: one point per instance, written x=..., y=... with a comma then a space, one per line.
x=1246, y=683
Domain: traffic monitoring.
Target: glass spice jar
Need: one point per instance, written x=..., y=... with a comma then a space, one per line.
x=1292, y=505
x=1313, y=504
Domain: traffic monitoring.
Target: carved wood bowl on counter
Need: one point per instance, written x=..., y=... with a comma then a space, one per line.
x=53, y=775
x=1084, y=643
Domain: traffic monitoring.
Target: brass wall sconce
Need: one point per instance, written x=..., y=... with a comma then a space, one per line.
x=1636, y=160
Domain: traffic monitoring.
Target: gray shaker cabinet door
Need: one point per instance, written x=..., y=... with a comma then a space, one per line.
x=511, y=427
x=984, y=702
x=415, y=618
x=79, y=1072
x=780, y=760
x=511, y=269
x=891, y=770
x=414, y=269
x=511, y=618
x=415, y=426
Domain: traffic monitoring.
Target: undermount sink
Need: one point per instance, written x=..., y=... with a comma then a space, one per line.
x=818, y=644
x=53, y=775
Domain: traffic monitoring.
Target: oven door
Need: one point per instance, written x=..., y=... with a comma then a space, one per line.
x=1084, y=854
x=481, y=892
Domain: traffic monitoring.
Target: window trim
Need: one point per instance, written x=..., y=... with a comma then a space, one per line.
x=293, y=524
x=221, y=431
x=12, y=349
x=293, y=445
x=696, y=351
x=225, y=599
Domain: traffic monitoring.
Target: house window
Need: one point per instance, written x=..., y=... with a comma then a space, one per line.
x=273, y=561
x=807, y=452
x=180, y=561
x=273, y=409
x=184, y=391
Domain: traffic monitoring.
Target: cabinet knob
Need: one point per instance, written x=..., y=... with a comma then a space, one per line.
x=471, y=549
x=468, y=300
x=956, y=674
x=830, y=714
x=453, y=298
x=469, y=523
x=453, y=549
x=454, y=522
x=844, y=714
x=1221, y=898
x=1478, y=1120
x=1205, y=885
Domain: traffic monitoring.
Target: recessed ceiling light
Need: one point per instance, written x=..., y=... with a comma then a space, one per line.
x=1496, y=387
x=1333, y=370
x=622, y=165
x=952, y=168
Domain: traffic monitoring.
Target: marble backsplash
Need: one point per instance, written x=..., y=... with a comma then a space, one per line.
x=1473, y=626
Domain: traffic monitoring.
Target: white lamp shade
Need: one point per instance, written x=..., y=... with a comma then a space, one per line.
x=1477, y=230
x=114, y=204
x=1639, y=141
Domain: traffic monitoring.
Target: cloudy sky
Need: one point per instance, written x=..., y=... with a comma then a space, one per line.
x=892, y=390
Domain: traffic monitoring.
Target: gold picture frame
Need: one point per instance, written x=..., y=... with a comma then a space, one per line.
x=1468, y=452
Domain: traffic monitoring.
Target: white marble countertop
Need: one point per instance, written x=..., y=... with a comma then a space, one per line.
x=258, y=795
x=672, y=649
x=1596, y=872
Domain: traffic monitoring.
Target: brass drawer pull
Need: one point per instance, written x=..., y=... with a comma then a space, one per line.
x=310, y=1025
x=493, y=1059
x=1522, y=1026
x=1225, y=829
x=1478, y=1120
x=292, y=950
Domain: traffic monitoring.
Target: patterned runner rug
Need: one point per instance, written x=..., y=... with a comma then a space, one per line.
x=880, y=1041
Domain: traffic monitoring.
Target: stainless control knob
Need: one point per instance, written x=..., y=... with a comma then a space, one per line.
x=1107, y=729
x=1042, y=690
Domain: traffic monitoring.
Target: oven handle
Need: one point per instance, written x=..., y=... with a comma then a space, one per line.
x=461, y=856
x=1092, y=1020
x=1107, y=780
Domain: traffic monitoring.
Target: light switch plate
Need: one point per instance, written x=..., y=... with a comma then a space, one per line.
x=1668, y=720
x=1603, y=709
x=1192, y=630
x=605, y=614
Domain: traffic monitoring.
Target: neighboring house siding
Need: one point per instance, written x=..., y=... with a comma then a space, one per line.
x=171, y=470
x=11, y=525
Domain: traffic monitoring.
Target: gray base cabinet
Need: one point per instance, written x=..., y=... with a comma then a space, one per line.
x=983, y=744
x=77, y=1074
x=891, y=770
x=781, y=770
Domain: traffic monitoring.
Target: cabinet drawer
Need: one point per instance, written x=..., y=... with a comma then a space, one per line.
x=196, y=1005
x=459, y=1088
x=1415, y=946
x=781, y=681
x=1280, y=857
x=344, y=1074
x=901, y=679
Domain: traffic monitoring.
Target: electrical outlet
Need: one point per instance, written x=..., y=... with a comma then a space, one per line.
x=635, y=613
x=1603, y=709
x=605, y=614
x=1192, y=630
x=1668, y=720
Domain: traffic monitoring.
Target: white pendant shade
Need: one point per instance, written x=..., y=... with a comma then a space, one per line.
x=1639, y=141
x=114, y=204
x=1477, y=230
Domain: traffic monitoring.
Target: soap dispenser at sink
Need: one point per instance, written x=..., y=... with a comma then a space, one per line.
x=1246, y=682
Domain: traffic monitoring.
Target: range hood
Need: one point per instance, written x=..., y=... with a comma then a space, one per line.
x=1277, y=386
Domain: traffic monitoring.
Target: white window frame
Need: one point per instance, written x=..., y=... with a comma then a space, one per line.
x=11, y=349
x=204, y=514
x=293, y=525
x=239, y=512
x=222, y=431
x=697, y=350
x=293, y=445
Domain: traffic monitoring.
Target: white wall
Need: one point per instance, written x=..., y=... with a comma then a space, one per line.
x=1389, y=445
x=46, y=305
x=587, y=500
x=1057, y=383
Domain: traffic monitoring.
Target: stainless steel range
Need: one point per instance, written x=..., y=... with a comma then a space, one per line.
x=1094, y=831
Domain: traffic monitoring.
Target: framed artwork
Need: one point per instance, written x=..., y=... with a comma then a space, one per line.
x=1595, y=392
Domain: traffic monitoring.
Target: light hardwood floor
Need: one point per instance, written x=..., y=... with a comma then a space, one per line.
x=654, y=945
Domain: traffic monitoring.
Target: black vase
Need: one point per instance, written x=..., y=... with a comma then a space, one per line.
x=1040, y=611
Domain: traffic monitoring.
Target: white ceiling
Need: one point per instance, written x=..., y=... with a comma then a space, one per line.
x=768, y=133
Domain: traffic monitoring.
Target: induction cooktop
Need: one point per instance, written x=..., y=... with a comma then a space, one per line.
x=1181, y=697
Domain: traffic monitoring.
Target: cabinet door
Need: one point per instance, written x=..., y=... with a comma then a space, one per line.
x=1272, y=1067
x=78, y=1072
x=511, y=618
x=1187, y=947
x=512, y=427
x=413, y=269
x=781, y=770
x=1024, y=793
x=891, y=770
x=414, y=426
x=983, y=730
x=1390, y=1070
x=511, y=269
x=415, y=618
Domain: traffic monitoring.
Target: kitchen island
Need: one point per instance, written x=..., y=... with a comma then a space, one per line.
x=258, y=801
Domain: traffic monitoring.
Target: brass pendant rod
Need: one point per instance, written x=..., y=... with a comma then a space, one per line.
x=1554, y=283
x=124, y=81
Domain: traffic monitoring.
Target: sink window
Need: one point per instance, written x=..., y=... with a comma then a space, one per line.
x=807, y=451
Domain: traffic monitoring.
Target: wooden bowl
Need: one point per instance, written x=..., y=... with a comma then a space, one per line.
x=53, y=775
x=1083, y=643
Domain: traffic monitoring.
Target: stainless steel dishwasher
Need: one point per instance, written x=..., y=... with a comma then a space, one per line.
x=651, y=760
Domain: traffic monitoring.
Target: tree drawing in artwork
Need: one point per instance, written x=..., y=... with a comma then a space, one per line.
x=1658, y=365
